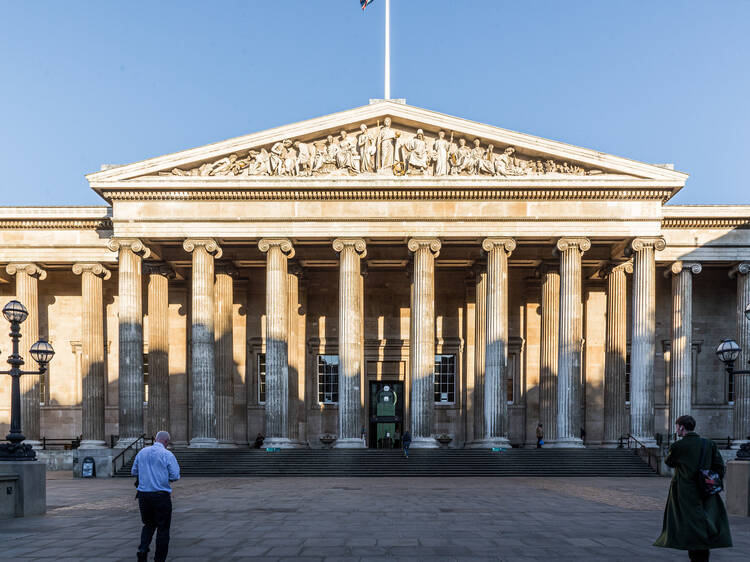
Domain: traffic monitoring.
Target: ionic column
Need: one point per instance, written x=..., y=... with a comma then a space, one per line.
x=203, y=426
x=681, y=360
x=278, y=251
x=93, y=382
x=130, y=362
x=480, y=349
x=570, y=336
x=548, y=352
x=741, y=426
x=422, y=319
x=642, y=341
x=226, y=273
x=159, y=274
x=351, y=251
x=495, y=389
x=616, y=343
x=27, y=293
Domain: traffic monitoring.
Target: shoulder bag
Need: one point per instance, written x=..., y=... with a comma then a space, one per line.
x=709, y=482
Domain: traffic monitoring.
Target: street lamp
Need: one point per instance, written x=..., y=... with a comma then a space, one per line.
x=42, y=352
x=728, y=352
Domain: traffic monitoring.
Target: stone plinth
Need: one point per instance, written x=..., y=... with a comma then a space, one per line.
x=737, y=485
x=31, y=486
x=102, y=460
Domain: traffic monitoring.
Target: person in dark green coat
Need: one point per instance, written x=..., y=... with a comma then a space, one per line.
x=691, y=522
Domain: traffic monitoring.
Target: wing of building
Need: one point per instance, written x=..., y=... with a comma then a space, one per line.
x=383, y=269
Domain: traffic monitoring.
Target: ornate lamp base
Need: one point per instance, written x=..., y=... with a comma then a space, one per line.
x=16, y=452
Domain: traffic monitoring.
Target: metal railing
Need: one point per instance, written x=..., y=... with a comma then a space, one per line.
x=67, y=444
x=123, y=458
x=649, y=454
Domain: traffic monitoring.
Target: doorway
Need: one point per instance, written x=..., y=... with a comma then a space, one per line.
x=386, y=414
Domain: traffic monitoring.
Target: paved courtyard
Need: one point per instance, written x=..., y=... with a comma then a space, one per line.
x=331, y=519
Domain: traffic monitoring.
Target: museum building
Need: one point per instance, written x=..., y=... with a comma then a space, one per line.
x=387, y=268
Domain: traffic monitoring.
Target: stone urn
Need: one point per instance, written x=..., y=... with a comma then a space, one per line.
x=328, y=439
x=444, y=439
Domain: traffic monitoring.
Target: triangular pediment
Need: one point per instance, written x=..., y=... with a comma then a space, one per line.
x=387, y=139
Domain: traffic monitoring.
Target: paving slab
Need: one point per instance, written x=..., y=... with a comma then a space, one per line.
x=343, y=519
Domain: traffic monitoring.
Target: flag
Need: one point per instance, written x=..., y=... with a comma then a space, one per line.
x=365, y=3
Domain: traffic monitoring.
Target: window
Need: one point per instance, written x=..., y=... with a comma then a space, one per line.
x=261, y=378
x=627, y=378
x=509, y=390
x=730, y=388
x=328, y=379
x=445, y=379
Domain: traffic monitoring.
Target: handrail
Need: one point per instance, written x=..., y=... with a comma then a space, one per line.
x=67, y=443
x=652, y=458
x=141, y=439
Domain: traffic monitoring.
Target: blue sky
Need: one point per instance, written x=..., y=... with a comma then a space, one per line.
x=92, y=82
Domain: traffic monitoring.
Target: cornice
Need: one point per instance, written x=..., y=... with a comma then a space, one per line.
x=705, y=222
x=56, y=224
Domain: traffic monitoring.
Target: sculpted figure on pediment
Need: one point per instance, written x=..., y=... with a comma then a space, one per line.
x=347, y=157
x=417, y=158
x=366, y=148
x=460, y=158
x=305, y=158
x=386, y=146
x=440, y=154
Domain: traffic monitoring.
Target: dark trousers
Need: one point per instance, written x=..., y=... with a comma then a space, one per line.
x=156, y=514
x=538, y=442
x=406, y=446
x=699, y=555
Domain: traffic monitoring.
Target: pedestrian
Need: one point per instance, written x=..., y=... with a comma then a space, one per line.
x=693, y=521
x=406, y=443
x=258, y=441
x=539, y=436
x=155, y=467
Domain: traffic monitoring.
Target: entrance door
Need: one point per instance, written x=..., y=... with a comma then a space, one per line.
x=386, y=414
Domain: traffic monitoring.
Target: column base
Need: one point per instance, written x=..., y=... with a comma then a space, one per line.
x=737, y=443
x=281, y=443
x=649, y=442
x=350, y=443
x=424, y=443
x=125, y=442
x=491, y=443
x=93, y=444
x=203, y=443
x=227, y=445
x=102, y=460
x=565, y=443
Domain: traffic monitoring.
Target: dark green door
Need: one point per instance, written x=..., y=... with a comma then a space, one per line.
x=386, y=414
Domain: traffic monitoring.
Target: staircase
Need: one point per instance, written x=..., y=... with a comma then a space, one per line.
x=391, y=463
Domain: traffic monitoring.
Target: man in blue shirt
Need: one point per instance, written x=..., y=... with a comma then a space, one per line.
x=155, y=467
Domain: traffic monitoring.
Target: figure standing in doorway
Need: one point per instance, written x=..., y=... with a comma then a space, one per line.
x=406, y=443
x=539, y=436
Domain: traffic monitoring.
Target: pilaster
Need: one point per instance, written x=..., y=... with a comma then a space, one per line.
x=549, y=352
x=224, y=367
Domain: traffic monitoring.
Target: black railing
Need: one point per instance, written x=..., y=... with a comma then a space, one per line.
x=122, y=457
x=649, y=454
x=66, y=444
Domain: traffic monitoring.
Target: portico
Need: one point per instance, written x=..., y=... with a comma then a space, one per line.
x=497, y=290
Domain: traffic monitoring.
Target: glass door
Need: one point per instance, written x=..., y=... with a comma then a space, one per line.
x=386, y=414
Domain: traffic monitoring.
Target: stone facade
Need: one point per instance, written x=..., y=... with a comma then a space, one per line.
x=358, y=289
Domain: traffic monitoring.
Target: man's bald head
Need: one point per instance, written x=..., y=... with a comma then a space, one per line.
x=162, y=437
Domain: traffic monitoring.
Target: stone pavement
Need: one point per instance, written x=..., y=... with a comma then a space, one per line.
x=337, y=519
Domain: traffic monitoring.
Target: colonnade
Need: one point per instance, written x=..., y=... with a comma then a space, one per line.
x=211, y=341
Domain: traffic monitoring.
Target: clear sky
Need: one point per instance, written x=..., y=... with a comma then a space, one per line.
x=89, y=82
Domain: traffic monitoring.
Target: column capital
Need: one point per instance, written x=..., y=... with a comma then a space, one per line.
x=226, y=268
x=742, y=268
x=211, y=246
x=616, y=267
x=678, y=267
x=30, y=269
x=358, y=244
x=96, y=269
x=507, y=244
x=159, y=268
x=432, y=244
x=567, y=243
x=133, y=244
x=657, y=243
x=284, y=244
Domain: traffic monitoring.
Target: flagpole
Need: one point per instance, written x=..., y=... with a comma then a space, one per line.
x=387, y=49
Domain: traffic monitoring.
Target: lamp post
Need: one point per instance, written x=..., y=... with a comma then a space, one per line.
x=42, y=352
x=727, y=352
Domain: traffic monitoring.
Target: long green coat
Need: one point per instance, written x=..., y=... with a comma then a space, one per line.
x=691, y=522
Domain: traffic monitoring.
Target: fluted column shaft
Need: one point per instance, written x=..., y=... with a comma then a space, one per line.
x=741, y=424
x=278, y=251
x=224, y=352
x=351, y=251
x=130, y=364
x=159, y=275
x=549, y=353
x=422, y=319
x=203, y=426
x=643, y=337
x=27, y=293
x=480, y=349
x=93, y=382
x=570, y=335
x=495, y=390
x=615, y=415
x=681, y=360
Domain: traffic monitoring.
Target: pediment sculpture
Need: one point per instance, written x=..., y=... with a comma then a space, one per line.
x=383, y=150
